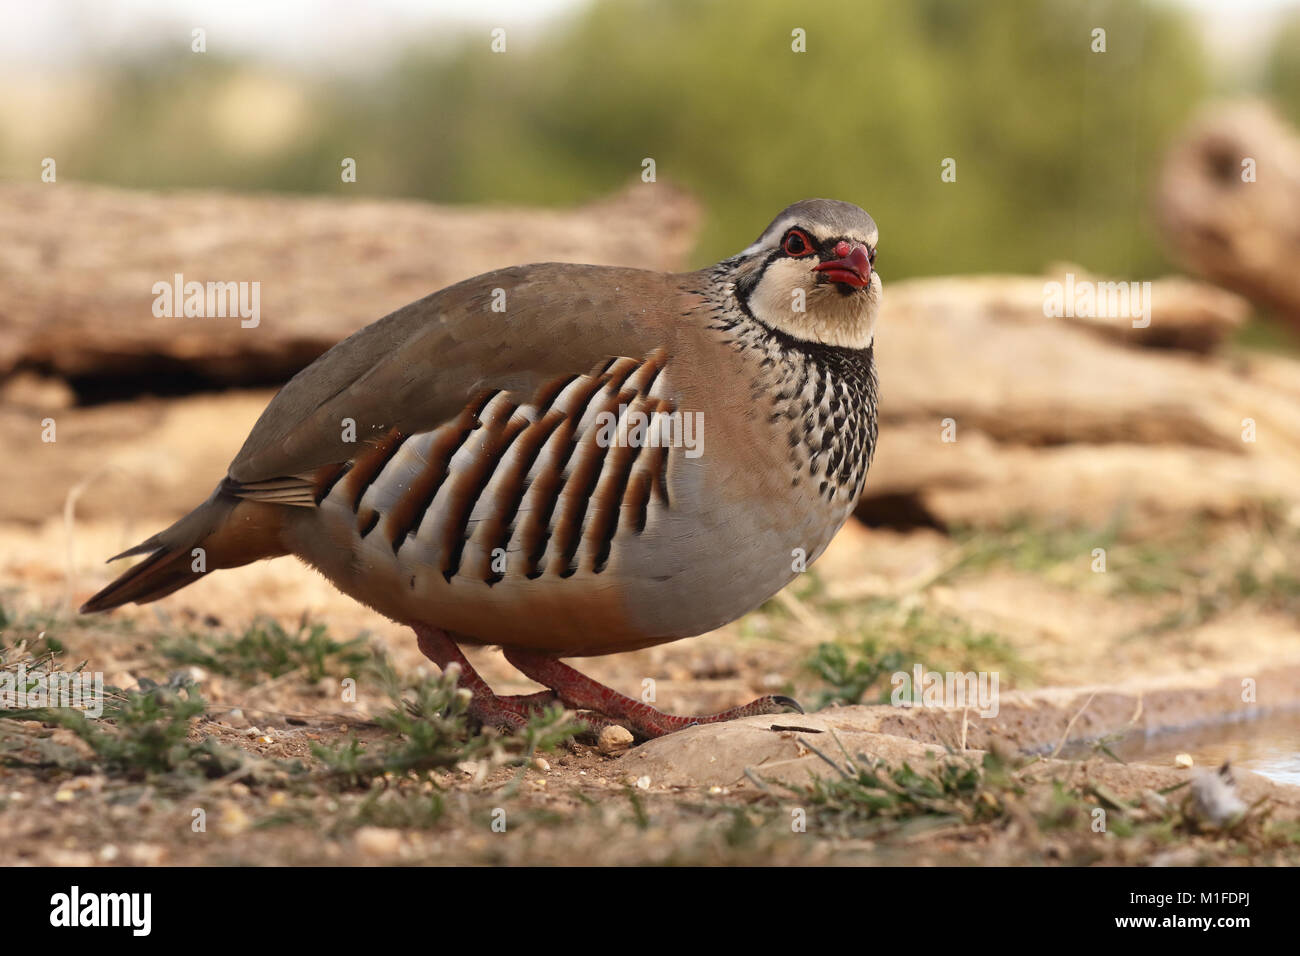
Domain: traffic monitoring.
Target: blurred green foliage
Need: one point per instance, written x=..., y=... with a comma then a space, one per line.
x=1282, y=79
x=1055, y=144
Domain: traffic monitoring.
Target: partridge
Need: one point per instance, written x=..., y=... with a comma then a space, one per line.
x=567, y=460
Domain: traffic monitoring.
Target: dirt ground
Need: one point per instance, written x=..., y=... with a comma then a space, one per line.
x=1164, y=638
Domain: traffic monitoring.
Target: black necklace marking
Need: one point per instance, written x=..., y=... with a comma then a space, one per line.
x=826, y=394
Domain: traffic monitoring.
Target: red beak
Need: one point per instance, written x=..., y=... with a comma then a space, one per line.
x=854, y=269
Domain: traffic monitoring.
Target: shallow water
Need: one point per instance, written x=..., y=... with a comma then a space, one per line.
x=1269, y=746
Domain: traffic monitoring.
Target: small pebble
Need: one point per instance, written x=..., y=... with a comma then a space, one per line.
x=1184, y=761
x=146, y=854
x=613, y=738
x=233, y=820
x=376, y=841
x=539, y=763
x=643, y=783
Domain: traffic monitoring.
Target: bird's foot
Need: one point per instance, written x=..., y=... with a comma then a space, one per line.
x=485, y=707
x=508, y=713
x=607, y=706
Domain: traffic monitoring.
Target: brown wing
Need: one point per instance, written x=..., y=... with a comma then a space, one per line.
x=418, y=367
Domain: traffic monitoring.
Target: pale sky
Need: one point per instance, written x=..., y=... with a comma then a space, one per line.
x=342, y=33
x=349, y=35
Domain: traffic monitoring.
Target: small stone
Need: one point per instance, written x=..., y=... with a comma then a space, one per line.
x=376, y=841
x=64, y=795
x=277, y=799
x=233, y=820
x=238, y=789
x=146, y=854
x=66, y=857
x=539, y=763
x=613, y=739
x=1184, y=760
x=643, y=783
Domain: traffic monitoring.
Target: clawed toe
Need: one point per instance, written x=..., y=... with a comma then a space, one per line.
x=785, y=705
x=510, y=713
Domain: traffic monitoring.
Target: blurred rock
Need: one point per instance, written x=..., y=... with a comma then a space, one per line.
x=1039, y=721
x=1184, y=314
x=1051, y=419
x=28, y=390
x=79, y=264
x=1241, y=234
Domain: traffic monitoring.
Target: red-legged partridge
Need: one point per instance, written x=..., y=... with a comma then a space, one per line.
x=567, y=460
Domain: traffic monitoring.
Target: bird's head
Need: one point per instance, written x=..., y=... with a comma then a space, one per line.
x=811, y=274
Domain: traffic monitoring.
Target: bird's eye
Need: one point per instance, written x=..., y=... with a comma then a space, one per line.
x=872, y=257
x=796, y=244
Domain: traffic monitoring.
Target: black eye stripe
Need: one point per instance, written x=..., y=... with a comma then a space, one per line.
x=824, y=249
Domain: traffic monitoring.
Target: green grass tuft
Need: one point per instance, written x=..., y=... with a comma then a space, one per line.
x=267, y=650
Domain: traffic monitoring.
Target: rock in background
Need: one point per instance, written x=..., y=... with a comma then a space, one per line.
x=78, y=264
x=1074, y=419
x=1228, y=204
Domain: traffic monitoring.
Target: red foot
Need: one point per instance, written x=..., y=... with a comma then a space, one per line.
x=490, y=710
x=582, y=693
x=575, y=690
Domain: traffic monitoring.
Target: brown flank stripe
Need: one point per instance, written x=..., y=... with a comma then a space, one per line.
x=367, y=466
x=325, y=478
x=534, y=532
x=607, y=500
x=577, y=492
x=467, y=486
x=408, y=511
x=498, y=527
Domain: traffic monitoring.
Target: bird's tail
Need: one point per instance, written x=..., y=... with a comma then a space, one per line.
x=223, y=532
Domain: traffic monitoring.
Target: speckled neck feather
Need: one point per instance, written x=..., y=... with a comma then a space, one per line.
x=827, y=395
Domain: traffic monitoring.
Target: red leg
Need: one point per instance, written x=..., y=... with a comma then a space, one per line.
x=583, y=693
x=486, y=707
